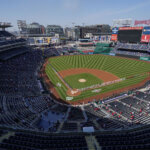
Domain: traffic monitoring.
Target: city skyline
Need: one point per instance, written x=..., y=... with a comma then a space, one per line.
x=72, y=12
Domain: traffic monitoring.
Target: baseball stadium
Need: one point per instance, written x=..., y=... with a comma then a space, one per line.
x=84, y=86
x=91, y=96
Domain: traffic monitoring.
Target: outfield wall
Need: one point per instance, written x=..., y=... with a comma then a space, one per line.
x=128, y=56
x=145, y=58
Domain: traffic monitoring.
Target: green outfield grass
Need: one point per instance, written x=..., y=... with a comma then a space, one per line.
x=120, y=67
x=74, y=83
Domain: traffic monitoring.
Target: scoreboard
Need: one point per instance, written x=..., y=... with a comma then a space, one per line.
x=131, y=34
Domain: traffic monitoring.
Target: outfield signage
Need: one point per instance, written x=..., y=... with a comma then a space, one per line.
x=115, y=30
x=96, y=91
x=69, y=98
x=112, y=54
x=145, y=58
x=146, y=22
x=128, y=56
x=131, y=28
x=101, y=85
x=114, y=37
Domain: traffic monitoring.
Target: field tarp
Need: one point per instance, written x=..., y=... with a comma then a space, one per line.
x=102, y=48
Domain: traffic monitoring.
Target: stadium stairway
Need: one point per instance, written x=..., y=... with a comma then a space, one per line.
x=54, y=106
x=120, y=115
x=97, y=125
x=38, y=116
x=67, y=114
x=84, y=114
x=78, y=127
x=35, y=119
x=6, y=136
x=105, y=112
x=60, y=127
x=65, y=119
x=92, y=143
x=4, y=104
x=141, y=99
x=136, y=109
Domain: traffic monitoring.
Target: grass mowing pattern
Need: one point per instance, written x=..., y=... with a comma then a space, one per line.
x=54, y=79
x=120, y=67
x=75, y=84
x=108, y=88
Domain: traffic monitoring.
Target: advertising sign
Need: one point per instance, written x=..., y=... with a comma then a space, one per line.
x=99, y=38
x=69, y=98
x=146, y=30
x=146, y=35
x=131, y=28
x=145, y=38
x=112, y=54
x=137, y=22
x=145, y=58
x=115, y=30
x=114, y=37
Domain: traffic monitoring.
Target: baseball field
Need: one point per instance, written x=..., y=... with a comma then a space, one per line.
x=81, y=78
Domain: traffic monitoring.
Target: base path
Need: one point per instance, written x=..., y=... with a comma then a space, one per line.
x=103, y=75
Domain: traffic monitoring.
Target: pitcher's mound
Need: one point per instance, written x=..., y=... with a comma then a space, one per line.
x=82, y=80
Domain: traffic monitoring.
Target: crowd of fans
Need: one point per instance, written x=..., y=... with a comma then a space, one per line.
x=144, y=47
x=130, y=53
x=132, y=49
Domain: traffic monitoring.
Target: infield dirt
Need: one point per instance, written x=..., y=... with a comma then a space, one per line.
x=103, y=75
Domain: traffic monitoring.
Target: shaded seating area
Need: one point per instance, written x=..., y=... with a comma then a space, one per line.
x=132, y=140
x=69, y=126
x=76, y=114
x=107, y=123
x=48, y=52
x=18, y=74
x=13, y=52
x=32, y=141
x=5, y=34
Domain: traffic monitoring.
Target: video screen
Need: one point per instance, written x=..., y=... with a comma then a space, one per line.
x=129, y=36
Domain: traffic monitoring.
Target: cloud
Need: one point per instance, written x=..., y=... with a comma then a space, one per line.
x=107, y=13
x=132, y=8
x=71, y=4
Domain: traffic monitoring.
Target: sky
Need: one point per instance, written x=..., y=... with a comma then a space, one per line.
x=72, y=12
